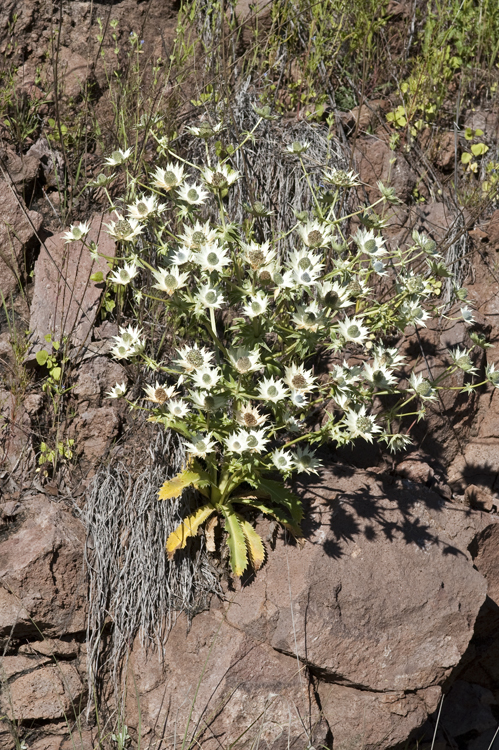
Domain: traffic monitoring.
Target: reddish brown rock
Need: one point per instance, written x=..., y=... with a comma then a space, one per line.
x=51, y=647
x=65, y=301
x=18, y=235
x=486, y=558
x=16, y=450
x=51, y=692
x=366, y=115
x=42, y=583
x=95, y=378
x=16, y=665
x=375, y=161
x=95, y=430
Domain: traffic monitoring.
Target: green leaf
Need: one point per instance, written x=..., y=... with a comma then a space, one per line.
x=236, y=541
x=98, y=276
x=256, y=547
x=478, y=149
x=55, y=373
x=188, y=527
x=192, y=475
x=279, y=494
x=41, y=357
x=283, y=518
x=466, y=157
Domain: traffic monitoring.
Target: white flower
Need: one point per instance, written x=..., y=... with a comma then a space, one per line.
x=305, y=461
x=212, y=257
x=461, y=359
x=298, y=398
x=305, y=260
x=158, y=394
x=76, y=232
x=422, y=387
x=492, y=375
x=467, y=315
x=249, y=416
x=379, y=267
x=237, y=442
x=178, y=408
x=201, y=445
x=118, y=391
x=194, y=195
x=284, y=280
x=207, y=401
x=283, y=460
x=345, y=376
x=208, y=296
x=273, y=390
x=298, y=148
x=299, y=379
x=122, y=350
x=368, y=243
x=181, y=256
x=245, y=361
x=144, y=207
x=341, y=178
x=396, y=442
x=256, y=440
x=124, y=275
x=412, y=313
x=359, y=424
x=124, y=230
x=257, y=305
x=205, y=130
x=314, y=234
x=127, y=343
x=168, y=178
x=352, y=330
x=118, y=157
x=169, y=279
x=333, y=295
x=386, y=357
x=206, y=378
x=193, y=358
x=257, y=255
x=221, y=177
x=379, y=376
x=198, y=235
x=308, y=317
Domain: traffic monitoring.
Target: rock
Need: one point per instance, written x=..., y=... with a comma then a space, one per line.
x=16, y=450
x=359, y=718
x=446, y=151
x=415, y=469
x=245, y=683
x=375, y=161
x=73, y=73
x=485, y=551
x=22, y=171
x=492, y=231
x=65, y=301
x=42, y=585
x=479, y=498
x=51, y=161
x=95, y=378
x=18, y=236
x=467, y=709
x=95, y=430
x=51, y=647
x=15, y=665
x=366, y=115
x=52, y=692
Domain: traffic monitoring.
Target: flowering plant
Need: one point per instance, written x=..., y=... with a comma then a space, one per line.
x=248, y=389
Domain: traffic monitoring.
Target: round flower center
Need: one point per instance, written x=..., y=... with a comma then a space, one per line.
x=306, y=461
x=193, y=195
x=265, y=276
x=170, y=179
x=212, y=259
x=370, y=246
x=273, y=392
x=243, y=364
x=256, y=258
x=306, y=277
x=309, y=318
x=77, y=233
x=122, y=229
x=259, y=209
x=116, y=157
x=464, y=362
x=124, y=276
x=415, y=285
x=424, y=388
x=417, y=313
x=353, y=332
x=332, y=299
x=219, y=180
x=236, y=445
x=201, y=446
x=177, y=410
x=249, y=419
x=430, y=246
x=298, y=381
x=378, y=376
x=171, y=281
x=142, y=208
x=206, y=378
x=386, y=359
x=256, y=307
x=198, y=238
x=160, y=395
x=355, y=288
x=211, y=297
x=281, y=461
x=364, y=424
x=127, y=338
x=494, y=378
x=252, y=441
x=314, y=238
x=101, y=179
x=195, y=358
x=205, y=130
x=209, y=402
x=304, y=264
x=278, y=279
x=122, y=350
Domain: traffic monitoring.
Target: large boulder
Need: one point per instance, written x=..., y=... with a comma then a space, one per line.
x=18, y=236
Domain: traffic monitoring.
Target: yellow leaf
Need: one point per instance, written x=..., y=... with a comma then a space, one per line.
x=236, y=541
x=193, y=474
x=255, y=546
x=188, y=527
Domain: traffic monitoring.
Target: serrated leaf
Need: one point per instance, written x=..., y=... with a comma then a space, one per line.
x=279, y=494
x=192, y=475
x=188, y=527
x=255, y=502
x=255, y=546
x=236, y=541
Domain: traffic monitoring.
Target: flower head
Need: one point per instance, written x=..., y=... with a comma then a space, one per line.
x=299, y=379
x=308, y=317
x=305, y=461
x=461, y=359
x=492, y=375
x=237, y=442
x=169, y=178
x=257, y=255
x=207, y=401
x=76, y=232
x=369, y=244
x=359, y=424
x=194, y=195
x=208, y=296
x=169, y=279
x=124, y=275
x=200, y=445
x=182, y=255
x=257, y=305
x=212, y=257
x=379, y=376
x=198, y=235
x=273, y=390
x=333, y=295
x=352, y=330
x=118, y=157
x=298, y=148
x=422, y=387
x=314, y=234
x=467, y=315
x=118, y=391
x=245, y=361
x=206, y=378
x=341, y=178
x=144, y=207
x=249, y=416
x=178, y=408
x=205, y=130
x=221, y=177
x=124, y=230
x=158, y=394
x=193, y=358
x=283, y=460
